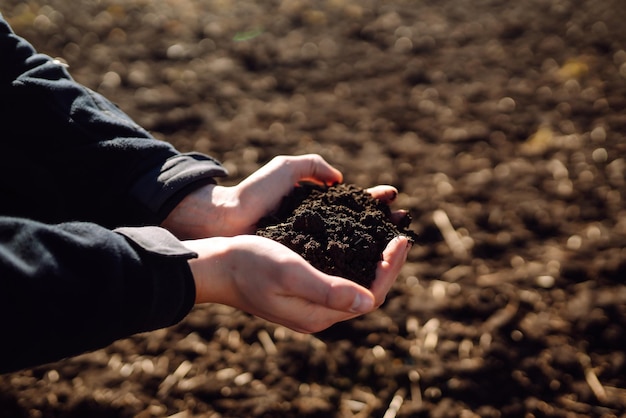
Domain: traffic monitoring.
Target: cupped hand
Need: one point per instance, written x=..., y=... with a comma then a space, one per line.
x=266, y=279
x=215, y=210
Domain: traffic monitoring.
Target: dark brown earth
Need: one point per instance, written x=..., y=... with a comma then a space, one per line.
x=501, y=123
x=341, y=229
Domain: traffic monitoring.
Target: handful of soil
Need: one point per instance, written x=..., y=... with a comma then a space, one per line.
x=341, y=230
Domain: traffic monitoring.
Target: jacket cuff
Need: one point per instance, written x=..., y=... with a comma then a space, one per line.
x=162, y=188
x=172, y=292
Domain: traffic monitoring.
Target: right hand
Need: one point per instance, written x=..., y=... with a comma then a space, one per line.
x=267, y=279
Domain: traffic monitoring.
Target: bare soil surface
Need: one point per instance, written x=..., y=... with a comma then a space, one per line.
x=501, y=123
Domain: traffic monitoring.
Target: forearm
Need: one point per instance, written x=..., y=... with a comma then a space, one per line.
x=78, y=155
x=76, y=287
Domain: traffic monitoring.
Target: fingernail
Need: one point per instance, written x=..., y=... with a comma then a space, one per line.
x=362, y=304
x=399, y=237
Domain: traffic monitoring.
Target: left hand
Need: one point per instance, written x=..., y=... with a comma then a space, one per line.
x=214, y=210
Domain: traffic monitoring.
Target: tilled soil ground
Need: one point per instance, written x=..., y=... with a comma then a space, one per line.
x=503, y=126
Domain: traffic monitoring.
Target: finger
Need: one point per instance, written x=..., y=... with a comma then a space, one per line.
x=313, y=317
x=399, y=217
x=389, y=267
x=332, y=292
x=279, y=176
x=317, y=321
x=384, y=193
x=313, y=167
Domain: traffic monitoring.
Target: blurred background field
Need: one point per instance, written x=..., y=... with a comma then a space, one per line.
x=503, y=126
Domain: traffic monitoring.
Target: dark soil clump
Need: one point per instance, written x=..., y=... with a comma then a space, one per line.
x=341, y=230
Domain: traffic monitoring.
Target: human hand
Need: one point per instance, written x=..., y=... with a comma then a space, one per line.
x=215, y=210
x=228, y=211
x=266, y=279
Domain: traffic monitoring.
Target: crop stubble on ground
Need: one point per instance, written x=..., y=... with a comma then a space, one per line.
x=502, y=125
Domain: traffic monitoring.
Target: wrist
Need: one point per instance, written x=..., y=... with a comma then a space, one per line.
x=192, y=216
x=211, y=270
x=210, y=211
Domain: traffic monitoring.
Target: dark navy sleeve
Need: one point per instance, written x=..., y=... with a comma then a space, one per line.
x=80, y=185
x=74, y=287
x=69, y=153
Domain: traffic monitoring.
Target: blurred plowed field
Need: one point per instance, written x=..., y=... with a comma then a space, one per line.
x=503, y=125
